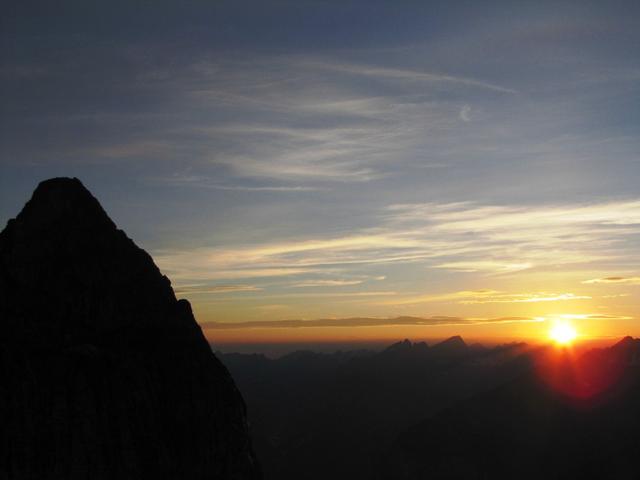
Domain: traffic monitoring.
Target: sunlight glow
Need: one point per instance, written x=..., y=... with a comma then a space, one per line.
x=563, y=333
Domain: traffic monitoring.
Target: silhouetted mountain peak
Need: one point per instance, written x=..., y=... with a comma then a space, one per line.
x=403, y=346
x=405, y=350
x=60, y=201
x=451, y=346
x=88, y=277
x=626, y=342
x=627, y=349
x=452, y=342
x=108, y=372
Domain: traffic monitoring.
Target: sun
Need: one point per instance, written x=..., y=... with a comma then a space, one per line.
x=563, y=333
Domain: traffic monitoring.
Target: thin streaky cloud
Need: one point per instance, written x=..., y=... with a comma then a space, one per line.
x=195, y=289
x=614, y=280
x=474, y=297
x=326, y=283
x=436, y=236
x=200, y=181
x=366, y=322
x=405, y=75
x=528, y=298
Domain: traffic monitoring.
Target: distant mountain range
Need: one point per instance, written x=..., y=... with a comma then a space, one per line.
x=535, y=427
x=449, y=410
x=318, y=415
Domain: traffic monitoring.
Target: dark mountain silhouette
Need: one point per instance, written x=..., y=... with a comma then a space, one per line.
x=450, y=410
x=453, y=346
x=626, y=350
x=573, y=416
x=318, y=416
x=103, y=373
x=405, y=348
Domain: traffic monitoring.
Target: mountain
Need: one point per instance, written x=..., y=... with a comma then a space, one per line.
x=340, y=412
x=404, y=348
x=572, y=416
x=451, y=347
x=104, y=374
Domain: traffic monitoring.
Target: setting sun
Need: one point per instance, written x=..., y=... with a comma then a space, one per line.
x=563, y=333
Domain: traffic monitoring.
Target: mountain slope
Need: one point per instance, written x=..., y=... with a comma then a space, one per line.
x=339, y=412
x=103, y=372
x=534, y=428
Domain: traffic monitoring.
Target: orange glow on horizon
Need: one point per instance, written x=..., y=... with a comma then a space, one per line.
x=563, y=330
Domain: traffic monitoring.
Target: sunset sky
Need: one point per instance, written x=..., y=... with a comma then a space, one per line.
x=351, y=169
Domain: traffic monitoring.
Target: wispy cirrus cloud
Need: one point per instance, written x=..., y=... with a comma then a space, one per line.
x=485, y=266
x=304, y=118
x=201, y=181
x=527, y=298
x=473, y=297
x=614, y=280
x=367, y=322
x=231, y=288
x=326, y=283
x=583, y=316
x=405, y=75
x=460, y=237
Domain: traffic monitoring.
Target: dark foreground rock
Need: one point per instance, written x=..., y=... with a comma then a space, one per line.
x=103, y=373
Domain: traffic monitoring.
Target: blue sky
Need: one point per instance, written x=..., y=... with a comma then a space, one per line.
x=290, y=160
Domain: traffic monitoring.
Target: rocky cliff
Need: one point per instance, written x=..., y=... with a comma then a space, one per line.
x=104, y=374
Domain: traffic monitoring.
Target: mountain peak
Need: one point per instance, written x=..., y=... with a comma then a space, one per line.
x=627, y=343
x=455, y=340
x=403, y=346
x=61, y=184
x=95, y=337
x=628, y=340
x=88, y=276
x=63, y=200
x=451, y=346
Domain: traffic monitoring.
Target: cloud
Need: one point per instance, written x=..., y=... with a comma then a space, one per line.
x=528, y=298
x=459, y=237
x=615, y=280
x=274, y=307
x=484, y=266
x=523, y=237
x=191, y=289
x=326, y=283
x=302, y=118
x=333, y=295
x=201, y=181
x=472, y=297
x=365, y=322
x=279, y=259
x=194, y=266
x=607, y=317
x=406, y=75
x=583, y=316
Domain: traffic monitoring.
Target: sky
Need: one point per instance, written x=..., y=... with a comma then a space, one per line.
x=345, y=170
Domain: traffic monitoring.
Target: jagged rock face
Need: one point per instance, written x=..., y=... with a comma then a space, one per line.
x=103, y=373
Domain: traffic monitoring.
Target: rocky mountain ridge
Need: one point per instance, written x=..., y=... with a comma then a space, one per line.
x=104, y=374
